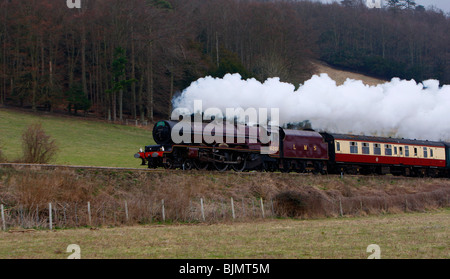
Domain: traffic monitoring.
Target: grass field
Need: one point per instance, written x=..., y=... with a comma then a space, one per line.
x=413, y=235
x=81, y=142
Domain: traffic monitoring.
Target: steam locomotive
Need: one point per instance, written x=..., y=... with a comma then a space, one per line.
x=297, y=151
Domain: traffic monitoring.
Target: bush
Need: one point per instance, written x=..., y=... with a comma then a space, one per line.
x=38, y=147
x=290, y=203
x=304, y=202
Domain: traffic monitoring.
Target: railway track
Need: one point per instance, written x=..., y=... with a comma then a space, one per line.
x=20, y=166
x=54, y=167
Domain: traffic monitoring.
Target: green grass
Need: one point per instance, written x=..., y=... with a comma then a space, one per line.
x=80, y=141
x=413, y=236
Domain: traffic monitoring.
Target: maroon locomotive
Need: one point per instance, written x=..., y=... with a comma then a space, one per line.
x=296, y=150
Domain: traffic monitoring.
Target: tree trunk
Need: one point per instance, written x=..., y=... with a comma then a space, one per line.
x=121, y=104
x=150, y=83
x=171, y=89
x=3, y=91
x=133, y=76
x=83, y=58
x=114, y=106
x=51, y=83
x=140, y=96
x=34, y=74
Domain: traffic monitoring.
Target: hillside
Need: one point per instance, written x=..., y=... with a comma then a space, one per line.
x=340, y=76
x=81, y=141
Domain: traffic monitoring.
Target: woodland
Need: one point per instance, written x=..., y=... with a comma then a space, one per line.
x=128, y=59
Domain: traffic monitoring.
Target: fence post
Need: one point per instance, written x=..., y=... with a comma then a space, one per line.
x=89, y=213
x=163, y=211
x=232, y=208
x=50, y=221
x=262, y=207
x=202, y=209
x=126, y=211
x=3, y=218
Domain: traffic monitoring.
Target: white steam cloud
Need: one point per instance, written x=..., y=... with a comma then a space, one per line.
x=399, y=108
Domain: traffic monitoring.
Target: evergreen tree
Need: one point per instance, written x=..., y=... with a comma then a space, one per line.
x=77, y=98
x=119, y=83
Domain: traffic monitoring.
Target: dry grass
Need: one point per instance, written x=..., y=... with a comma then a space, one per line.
x=416, y=235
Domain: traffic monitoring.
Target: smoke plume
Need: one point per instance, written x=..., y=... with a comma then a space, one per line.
x=399, y=108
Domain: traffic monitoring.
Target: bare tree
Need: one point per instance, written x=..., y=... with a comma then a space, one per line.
x=37, y=146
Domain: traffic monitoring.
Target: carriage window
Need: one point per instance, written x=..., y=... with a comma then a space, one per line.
x=407, y=151
x=376, y=149
x=431, y=152
x=425, y=152
x=400, y=149
x=354, y=147
x=365, y=148
x=338, y=146
x=415, y=151
x=395, y=150
x=388, y=149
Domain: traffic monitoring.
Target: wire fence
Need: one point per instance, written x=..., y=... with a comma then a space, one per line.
x=69, y=215
x=57, y=214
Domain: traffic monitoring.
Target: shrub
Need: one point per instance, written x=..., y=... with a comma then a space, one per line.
x=290, y=203
x=38, y=147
